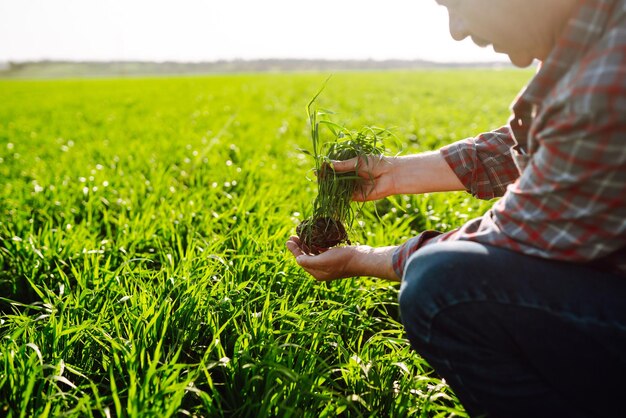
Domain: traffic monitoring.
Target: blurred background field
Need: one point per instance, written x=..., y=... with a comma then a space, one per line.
x=142, y=230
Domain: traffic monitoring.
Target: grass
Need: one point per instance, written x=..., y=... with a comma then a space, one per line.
x=333, y=209
x=142, y=261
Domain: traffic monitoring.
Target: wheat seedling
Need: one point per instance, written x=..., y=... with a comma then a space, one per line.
x=333, y=209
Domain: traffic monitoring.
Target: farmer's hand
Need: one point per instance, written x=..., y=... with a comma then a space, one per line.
x=386, y=176
x=378, y=176
x=343, y=262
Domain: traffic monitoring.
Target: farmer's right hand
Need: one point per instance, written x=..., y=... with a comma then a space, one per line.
x=377, y=174
x=386, y=176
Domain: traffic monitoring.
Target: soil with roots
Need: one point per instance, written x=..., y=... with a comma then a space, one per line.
x=319, y=234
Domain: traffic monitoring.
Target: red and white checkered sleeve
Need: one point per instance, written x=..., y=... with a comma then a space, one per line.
x=568, y=204
x=484, y=164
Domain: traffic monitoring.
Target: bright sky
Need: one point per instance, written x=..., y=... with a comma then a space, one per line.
x=206, y=30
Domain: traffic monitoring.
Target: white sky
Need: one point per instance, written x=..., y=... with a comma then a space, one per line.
x=205, y=30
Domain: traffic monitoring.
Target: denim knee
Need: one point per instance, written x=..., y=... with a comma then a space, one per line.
x=506, y=330
x=436, y=277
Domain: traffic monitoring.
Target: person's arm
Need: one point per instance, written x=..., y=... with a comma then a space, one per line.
x=568, y=204
x=344, y=262
x=412, y=174
x=483, y=166
x=435, y=171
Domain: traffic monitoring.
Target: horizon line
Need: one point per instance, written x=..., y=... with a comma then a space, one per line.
x=222, y=60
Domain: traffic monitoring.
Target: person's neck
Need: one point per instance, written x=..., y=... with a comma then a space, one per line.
x=563, y=12
x=567, y=10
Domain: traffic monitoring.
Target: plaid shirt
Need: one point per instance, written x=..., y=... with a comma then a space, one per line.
x=560, y=163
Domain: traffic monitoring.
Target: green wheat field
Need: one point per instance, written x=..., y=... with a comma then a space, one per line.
x=143, y=270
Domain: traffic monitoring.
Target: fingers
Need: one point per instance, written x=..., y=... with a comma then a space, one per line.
x=303, y=259
x=322, y=267
x=310, y=261
x=293, y=245
x=298, y=248
x=319, y=266
x=352, y=164
x=364, y=193
x=365, y=166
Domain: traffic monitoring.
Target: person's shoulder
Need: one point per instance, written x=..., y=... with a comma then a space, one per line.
x=597, y=83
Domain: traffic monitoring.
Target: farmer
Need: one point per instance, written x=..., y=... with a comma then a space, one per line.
x=523, y=310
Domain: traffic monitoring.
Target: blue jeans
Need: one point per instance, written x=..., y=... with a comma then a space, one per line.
x=518, y=336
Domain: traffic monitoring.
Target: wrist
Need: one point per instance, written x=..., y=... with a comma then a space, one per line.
x=372, y=262
x=406, y=174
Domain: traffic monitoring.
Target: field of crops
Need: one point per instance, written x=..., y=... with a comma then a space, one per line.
x=142, y=262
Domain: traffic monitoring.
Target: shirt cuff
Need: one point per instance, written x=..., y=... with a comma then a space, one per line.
x=404, y=251
x=453, y=154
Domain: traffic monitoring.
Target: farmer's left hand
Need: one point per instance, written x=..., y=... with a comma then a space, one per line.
x=343, y=262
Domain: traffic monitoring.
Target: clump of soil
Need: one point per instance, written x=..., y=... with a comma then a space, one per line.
x=319, y=234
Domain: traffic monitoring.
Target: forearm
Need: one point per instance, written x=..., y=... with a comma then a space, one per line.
x=423, y=173
x=373, y=262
